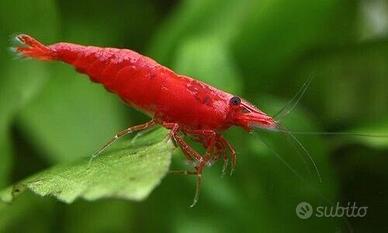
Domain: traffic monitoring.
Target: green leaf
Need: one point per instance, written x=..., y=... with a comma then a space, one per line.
x=130, y=171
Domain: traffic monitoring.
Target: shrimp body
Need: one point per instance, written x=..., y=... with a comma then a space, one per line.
x=146, y=85
x=177, y=102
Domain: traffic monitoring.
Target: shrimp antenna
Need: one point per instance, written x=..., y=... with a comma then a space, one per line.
x=281, y=159
x=299, y=148
x=330, y=133
x=303, y=148
x=290, y=106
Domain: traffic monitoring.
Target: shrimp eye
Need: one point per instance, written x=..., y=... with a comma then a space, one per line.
x=235, y=101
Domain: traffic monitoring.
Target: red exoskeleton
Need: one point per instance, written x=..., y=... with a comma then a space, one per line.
x=179, y=103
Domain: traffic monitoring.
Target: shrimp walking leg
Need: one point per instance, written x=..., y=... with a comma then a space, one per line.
x=121, y=134
x=189, y=152
x=211, y=137
x=215, y=146
x=233, y=154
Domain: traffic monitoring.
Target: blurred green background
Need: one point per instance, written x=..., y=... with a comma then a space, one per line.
x=263, y=50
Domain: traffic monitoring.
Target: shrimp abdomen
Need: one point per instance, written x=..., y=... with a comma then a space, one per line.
x=137, y=79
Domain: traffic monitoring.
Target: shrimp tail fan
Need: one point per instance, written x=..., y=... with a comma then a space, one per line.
x=27, y=46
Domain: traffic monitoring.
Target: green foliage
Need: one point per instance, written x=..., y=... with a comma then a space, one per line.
x=58, y=131
x=208, y=59
x=130, y=172
x=51, y=116
x=18, y=85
